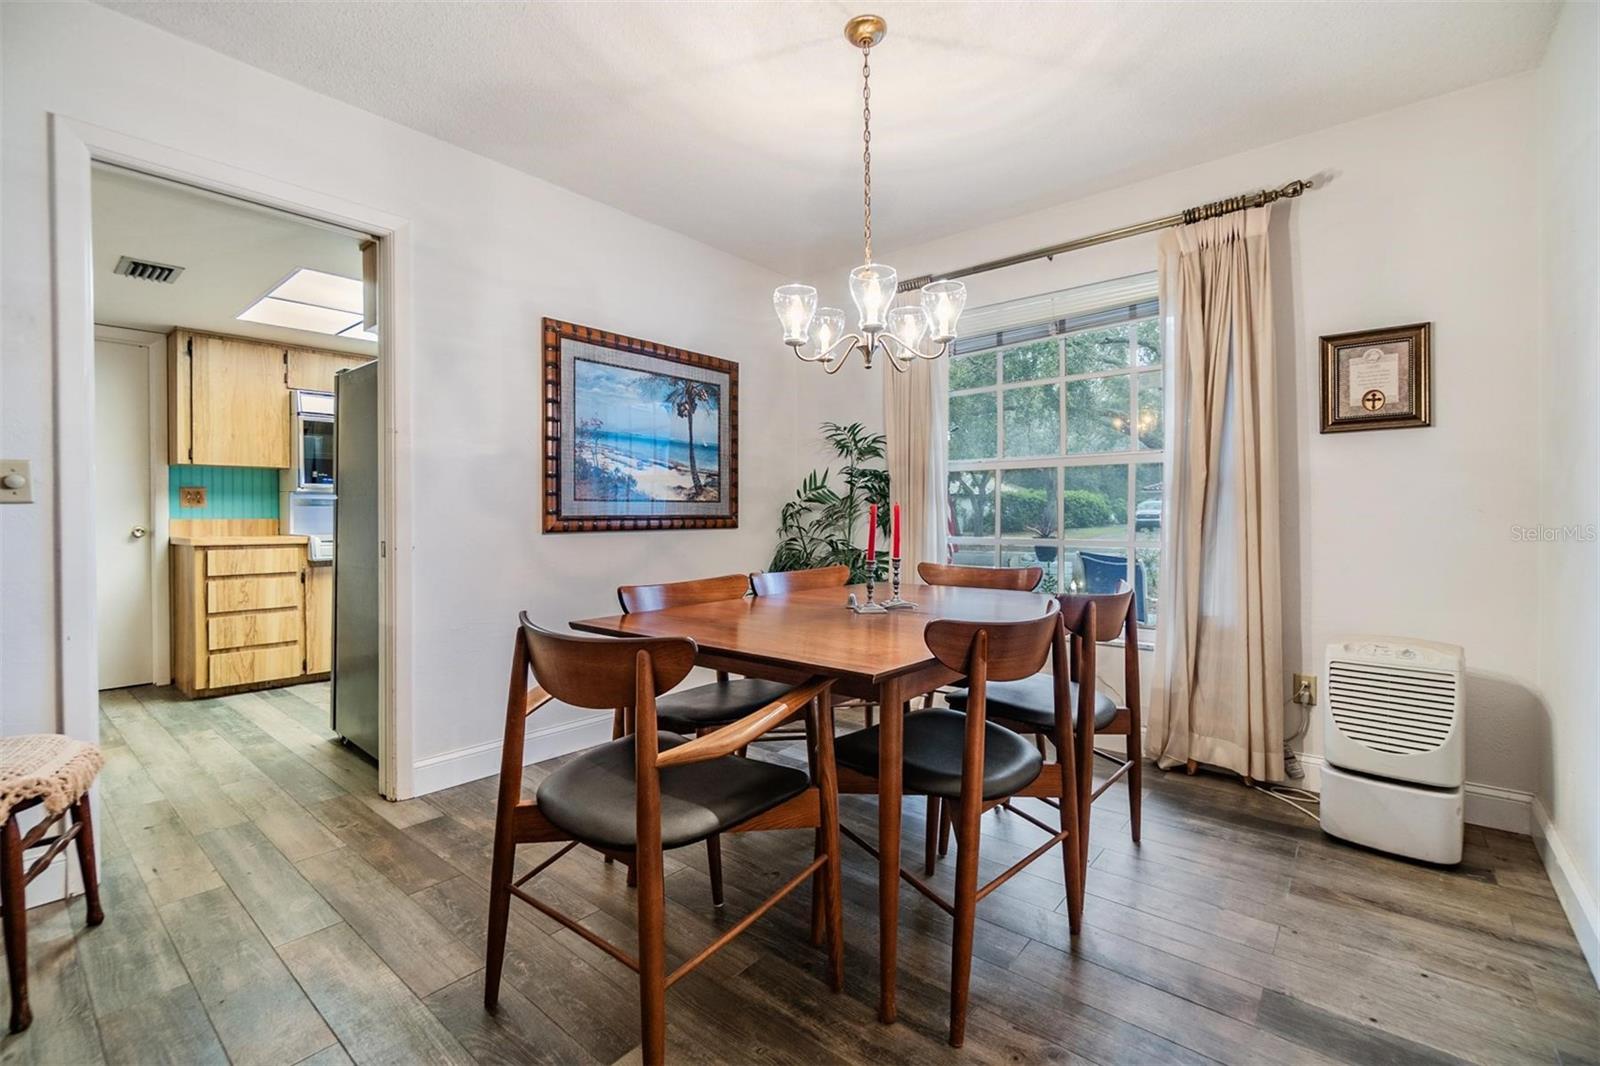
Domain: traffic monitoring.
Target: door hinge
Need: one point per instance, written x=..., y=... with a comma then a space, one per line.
x=286, y=367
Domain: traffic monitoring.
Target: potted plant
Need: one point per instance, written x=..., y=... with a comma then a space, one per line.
x=1044, y=530
x=818, y=526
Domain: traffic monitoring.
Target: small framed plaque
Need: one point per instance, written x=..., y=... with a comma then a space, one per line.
x=1376, y=379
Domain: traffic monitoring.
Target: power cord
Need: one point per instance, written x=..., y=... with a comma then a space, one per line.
x=1289, y=794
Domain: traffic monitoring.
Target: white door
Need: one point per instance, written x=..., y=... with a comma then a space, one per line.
x=123, y=572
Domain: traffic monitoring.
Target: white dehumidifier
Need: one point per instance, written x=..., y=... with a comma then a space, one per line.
x=1393, y=745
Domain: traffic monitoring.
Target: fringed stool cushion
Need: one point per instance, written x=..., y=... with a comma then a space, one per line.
x=49, y=766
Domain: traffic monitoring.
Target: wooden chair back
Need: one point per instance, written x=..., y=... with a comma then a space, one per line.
x=1010, y=650
x=779, y=582
x=1014, y=578
x=601, y=673
x=1090, y=621
x=636, y=598
x=1099, y=617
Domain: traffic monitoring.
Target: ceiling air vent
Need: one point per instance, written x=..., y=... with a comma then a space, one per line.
x=139, y=268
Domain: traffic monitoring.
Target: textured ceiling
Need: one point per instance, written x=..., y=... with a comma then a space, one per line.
x=231, y=252
x=739, y=124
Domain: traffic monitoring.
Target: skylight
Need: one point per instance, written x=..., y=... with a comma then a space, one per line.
x=313, y=301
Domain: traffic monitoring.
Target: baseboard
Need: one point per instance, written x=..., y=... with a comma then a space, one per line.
x=1572, y=887
x=481, y=760
x=1490, y=806
x=1505, y=809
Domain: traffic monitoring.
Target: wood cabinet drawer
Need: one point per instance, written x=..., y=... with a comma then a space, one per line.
x=256, y=627
x=252, y=593
x=252, y=665
x=221, y=562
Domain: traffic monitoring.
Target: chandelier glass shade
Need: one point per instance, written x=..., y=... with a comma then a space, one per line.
x=902, y=334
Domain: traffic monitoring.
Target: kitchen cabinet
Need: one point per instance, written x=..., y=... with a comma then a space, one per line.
x=319, y=618
x=310, y=368
x=228, y=397
x=227, y=404
x=248, y=612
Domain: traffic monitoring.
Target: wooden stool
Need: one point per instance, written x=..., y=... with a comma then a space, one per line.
x=56, y=772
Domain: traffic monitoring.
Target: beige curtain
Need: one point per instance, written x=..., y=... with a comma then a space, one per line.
x=915, y=420
x=1219, y=662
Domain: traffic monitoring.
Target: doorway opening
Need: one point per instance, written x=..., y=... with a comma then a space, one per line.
x=237, y=461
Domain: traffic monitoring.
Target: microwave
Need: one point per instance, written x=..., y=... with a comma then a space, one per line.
x=311, y=434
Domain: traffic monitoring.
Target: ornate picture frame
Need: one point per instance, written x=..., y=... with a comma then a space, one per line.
x=637, y=435
x=1377, y=379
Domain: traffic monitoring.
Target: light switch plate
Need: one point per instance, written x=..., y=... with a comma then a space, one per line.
x=11, y=491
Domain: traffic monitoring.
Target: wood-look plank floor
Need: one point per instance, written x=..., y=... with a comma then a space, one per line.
x=264, y=906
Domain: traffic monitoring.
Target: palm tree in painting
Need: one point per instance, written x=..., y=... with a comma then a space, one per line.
x=684, y=397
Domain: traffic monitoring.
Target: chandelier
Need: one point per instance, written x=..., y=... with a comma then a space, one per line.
x=920, y=331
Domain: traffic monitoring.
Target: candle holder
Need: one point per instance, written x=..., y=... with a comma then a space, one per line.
x=894, y=602
x=871, y=606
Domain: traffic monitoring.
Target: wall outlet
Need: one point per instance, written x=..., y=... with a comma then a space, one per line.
x=191, y=495
x=1304, y=690
x=16, y=481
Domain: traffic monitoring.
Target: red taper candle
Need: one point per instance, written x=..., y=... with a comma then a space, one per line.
x=894, y=526
x=872, y=532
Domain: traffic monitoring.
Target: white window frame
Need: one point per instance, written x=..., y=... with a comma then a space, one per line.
x=1133, y=457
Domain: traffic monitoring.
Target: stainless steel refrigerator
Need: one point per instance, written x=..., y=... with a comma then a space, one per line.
x=355, y=558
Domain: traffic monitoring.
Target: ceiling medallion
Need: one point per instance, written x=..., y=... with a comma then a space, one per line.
x=918, y=331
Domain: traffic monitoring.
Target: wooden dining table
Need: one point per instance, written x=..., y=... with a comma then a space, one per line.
x=880, y=657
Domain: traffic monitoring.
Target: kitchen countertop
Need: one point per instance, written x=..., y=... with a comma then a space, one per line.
x=266, y=540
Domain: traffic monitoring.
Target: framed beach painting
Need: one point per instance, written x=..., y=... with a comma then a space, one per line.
x=637, y=435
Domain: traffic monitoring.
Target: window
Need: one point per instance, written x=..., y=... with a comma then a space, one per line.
x=1056, y=439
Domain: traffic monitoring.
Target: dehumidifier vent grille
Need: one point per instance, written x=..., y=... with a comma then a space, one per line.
x=1398, y=710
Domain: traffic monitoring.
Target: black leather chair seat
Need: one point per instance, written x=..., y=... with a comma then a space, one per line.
x=933, y=745
x=592, y=796
x=706, y=706
x=1031, y=701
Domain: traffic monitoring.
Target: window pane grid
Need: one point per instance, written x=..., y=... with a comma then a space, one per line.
x=1087, y=508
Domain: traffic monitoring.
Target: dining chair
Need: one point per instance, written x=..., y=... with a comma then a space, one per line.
x=1011, y=578
x=1015, y=578
x=697, y=710
x=781, y=582
x=703, y=706
x=1027, y=704
x=974, y=765
x=639, y=795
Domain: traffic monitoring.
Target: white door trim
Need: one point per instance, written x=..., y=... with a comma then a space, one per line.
x=155, y=346
x=74, y=145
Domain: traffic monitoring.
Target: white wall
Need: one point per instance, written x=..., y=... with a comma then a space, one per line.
x=493, y=251
x=1569, y=464
x=1425, y=213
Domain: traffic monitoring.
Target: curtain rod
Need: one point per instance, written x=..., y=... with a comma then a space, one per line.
x=1215, y=209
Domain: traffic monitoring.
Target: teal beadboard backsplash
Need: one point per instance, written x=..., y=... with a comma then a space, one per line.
x=231, y=491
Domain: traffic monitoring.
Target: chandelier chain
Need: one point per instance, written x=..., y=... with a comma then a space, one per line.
x=866, y=147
